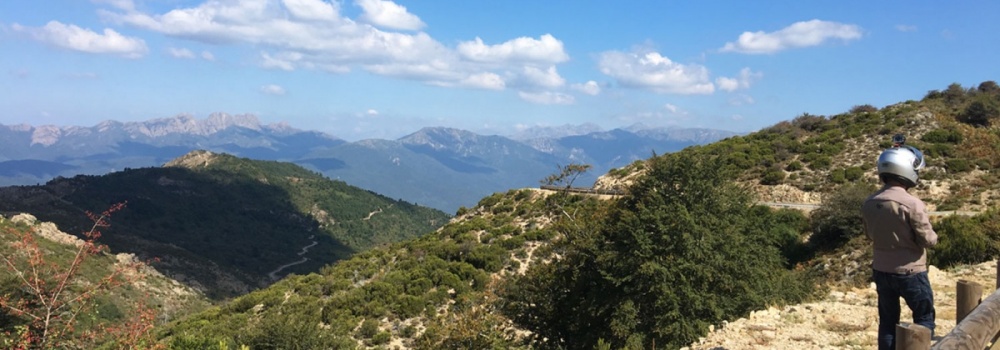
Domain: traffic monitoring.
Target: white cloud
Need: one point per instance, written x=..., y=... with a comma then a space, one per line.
x=670, y=107
x=650, y=70
x=727, y=84
x=548, y=78
x=315, y=35
x=312, y=9
x=589, y=88
x=797, y=35
x=906, y=28
x=547, y=98
x=389, y=15
x=544, y=50
x=272, y=89
x=208, y=56
x=72, y=37
x=371, y=112
x=746, y=78
x=180, y=53
x=489, y=81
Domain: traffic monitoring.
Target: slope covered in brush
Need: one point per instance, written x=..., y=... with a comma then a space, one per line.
x=227, y=225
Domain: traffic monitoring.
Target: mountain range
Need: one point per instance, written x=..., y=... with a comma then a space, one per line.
x=439, y=167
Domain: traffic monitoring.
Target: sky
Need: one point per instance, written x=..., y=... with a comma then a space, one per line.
x=360, y=69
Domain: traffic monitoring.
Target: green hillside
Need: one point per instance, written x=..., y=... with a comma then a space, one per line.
x=684, y=248
x=686, y=245
x=133, y=288
x=227, y=225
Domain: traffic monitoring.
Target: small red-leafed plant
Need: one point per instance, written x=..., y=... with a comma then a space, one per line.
x=51, y=296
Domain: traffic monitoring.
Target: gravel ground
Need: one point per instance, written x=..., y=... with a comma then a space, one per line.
x=846, y=319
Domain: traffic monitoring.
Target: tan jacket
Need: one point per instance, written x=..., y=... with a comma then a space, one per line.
x=900, y=228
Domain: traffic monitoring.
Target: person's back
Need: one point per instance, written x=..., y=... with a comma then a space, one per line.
x=899, y=227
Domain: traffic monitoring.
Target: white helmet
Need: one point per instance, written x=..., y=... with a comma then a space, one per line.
x=904, y=162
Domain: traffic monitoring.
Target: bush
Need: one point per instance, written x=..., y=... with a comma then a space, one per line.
x=966, y=240
x=772, y=177
x=838, y=219
x=942, y=136
x=957, y=165
x=853, y=173
x=685, y=249
x=794, y=166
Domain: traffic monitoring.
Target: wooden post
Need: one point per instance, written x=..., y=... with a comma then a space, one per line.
x=912, y=336
x=968, y=295
x=976, y=330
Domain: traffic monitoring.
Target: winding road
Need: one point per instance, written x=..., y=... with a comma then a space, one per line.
x=274, y=274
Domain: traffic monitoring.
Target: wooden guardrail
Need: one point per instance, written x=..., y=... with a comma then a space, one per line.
x=978, y=322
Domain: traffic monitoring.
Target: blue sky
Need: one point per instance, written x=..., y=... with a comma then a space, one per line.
x=381, y=69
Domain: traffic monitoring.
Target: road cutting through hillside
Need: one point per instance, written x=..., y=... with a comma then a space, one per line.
x=806, y=207
x=274, y=274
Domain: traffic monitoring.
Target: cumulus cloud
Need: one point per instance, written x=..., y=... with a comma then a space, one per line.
x=272, y=89
x=589, y=88
x=547, y=98
x=650, y=70
x=548, y=78
x=72, y=37
x=744, y=80
x=797, y=35
x=389, y=15
x=384, y=39
x=312, y=9
x=544, y=50
x=208, y=56
x=180, y=53
x=488, y=81
x=906, y=28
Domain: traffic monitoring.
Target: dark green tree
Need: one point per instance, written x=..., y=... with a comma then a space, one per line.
x=984, y=110
x=684, y=250
x=838, y=219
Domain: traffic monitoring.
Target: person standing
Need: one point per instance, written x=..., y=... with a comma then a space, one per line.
x=899, y=227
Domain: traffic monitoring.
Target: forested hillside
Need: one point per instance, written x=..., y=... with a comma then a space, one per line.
x=226, y=225
x=684, y=248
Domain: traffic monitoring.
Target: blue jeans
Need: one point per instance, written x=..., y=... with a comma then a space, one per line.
x=915, y=290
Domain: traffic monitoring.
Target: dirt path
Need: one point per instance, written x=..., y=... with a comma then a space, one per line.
x=274, y=274
x=846, y=319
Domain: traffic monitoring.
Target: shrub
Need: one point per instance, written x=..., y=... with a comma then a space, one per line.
x=838, y=219
x=853, y=173
x=794, y=166
x=683, y=250
x=866, y=108
x=942, y=136
x=772, y=176
x=957, y=165
x=966, y=240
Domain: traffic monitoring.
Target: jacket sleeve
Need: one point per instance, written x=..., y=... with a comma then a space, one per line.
x=920, y=222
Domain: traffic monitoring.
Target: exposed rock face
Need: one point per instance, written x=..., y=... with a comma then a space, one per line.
x=193, y=160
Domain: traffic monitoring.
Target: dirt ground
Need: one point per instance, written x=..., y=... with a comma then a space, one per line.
x=846, y=319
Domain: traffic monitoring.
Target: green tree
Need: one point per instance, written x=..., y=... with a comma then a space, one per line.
x=682, y=251
x=983, y=111
x=838, y=219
